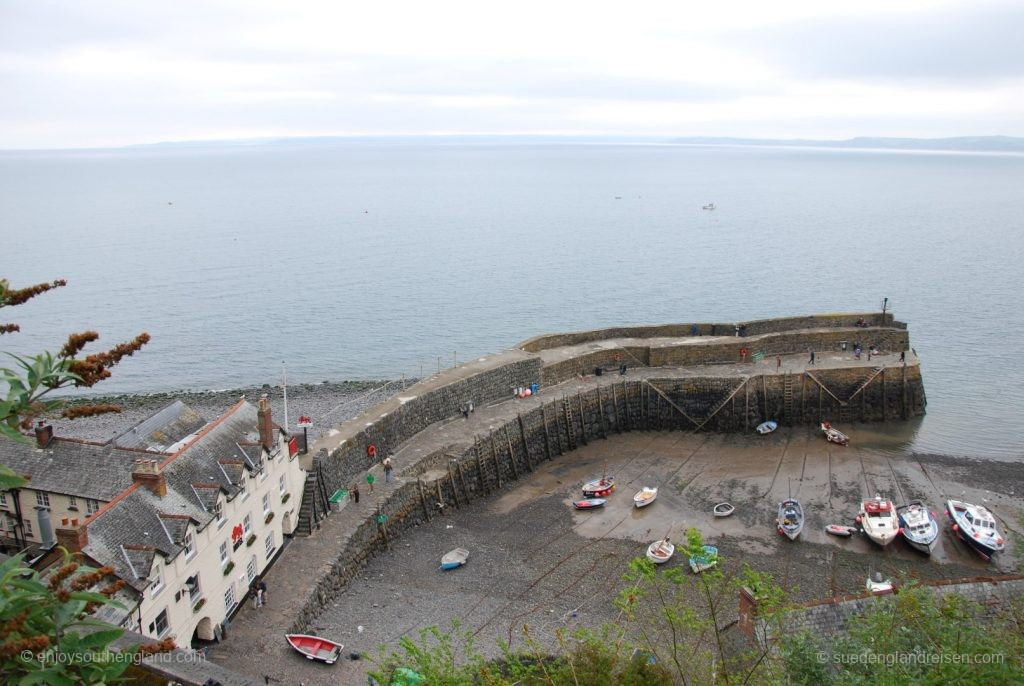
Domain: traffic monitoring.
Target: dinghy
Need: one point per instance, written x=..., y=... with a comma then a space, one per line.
x=840, y=530
x=918, y=526
x=645, y=496
x=767, y=427
x=589, y=503
x=833, y=435
x=878, y=584
x=723, y=509
x=878, y=519
x=454, y=558
x=791, y=518
x=660, y=551
x=598, y=488
x=976, y=527
x=706, y=560
x=315, y=648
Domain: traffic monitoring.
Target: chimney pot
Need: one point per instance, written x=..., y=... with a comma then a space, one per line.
x=73, y=539
x=44, y=434
x=147, y=473
x=265, y=423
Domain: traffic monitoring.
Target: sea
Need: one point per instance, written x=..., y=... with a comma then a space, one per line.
x=368, y=259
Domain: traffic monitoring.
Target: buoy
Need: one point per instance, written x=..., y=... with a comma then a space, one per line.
x=976, y=534
x=999, y=541
x=899, y=530
x=781, y=531
x=956, y=527
x=857, y=519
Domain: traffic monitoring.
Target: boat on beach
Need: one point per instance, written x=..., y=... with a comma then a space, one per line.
x=791, y=518
x=918, y=526
x=589, y=503
x=709, y=206
x=767, y=427
x=878, y=519
x=723, y=509
x=705, y=561
x=598, y=488
x=661, y=551
x=454, y=558
x=976, y=527
x=840, y=530
x=833, y=435
x=645, y=496
x=315, y=647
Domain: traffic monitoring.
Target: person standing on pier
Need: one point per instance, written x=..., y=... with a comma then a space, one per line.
x=386, y=463
x=355, y=493
x=812, y=357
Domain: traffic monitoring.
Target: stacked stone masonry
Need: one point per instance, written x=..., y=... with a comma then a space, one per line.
x=658, y=393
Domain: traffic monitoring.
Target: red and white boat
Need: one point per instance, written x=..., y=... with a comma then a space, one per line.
x=879, y=520
x=315, y=648
x=599, y=488
x=833, y=435
x=589, y=503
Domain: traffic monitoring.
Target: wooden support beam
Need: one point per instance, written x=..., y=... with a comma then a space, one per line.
x=600, y=410
x=547, y=433
x=583, y=422
x=511, y=452
x=455, y=488
x=526, y=445
x=494, y=452
x=423, y=499
x=615, y=406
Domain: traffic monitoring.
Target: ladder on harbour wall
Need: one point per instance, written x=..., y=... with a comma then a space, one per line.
x=570, y=432
x=787, y=397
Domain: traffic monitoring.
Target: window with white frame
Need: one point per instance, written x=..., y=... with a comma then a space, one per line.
x=281, y=488
x=92, y=506
x=266, y=503
x=218, y=511
x=42, y=498
x=243, y=486
x=224, y=555
x=189, y=544
x=250, y=569
x=72, y=502
x=3, y=499
x=229, y=598
x=194, y=591
x=28, y=526
x=247, y=524
x=160, y=625
x=270, y=545
x=158, y=578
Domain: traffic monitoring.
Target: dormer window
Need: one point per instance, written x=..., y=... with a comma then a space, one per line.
x=158, y=579
x=218, y=511
x=243, y=487
x=189, y=544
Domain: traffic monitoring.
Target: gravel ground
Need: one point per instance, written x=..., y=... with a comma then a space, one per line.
x=328, y=404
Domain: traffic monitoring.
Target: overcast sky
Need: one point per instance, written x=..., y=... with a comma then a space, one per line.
x=87, y=73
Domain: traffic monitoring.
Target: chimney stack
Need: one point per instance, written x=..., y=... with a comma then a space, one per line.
x=74, y=540
x=148, y=474
x=265, y=423
x=44, y=434
x=748, y=611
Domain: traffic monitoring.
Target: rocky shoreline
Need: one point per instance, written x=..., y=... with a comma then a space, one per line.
x=328, y=404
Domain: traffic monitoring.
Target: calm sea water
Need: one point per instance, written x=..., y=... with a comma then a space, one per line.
x=372, y=260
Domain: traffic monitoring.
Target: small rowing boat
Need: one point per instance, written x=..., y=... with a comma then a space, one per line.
x=589, y=503
x=833, y=435
x=840, y=530
x=791, y=518
x=767, y=427
x=723, y=509
x=599, y=488
x=705, y=561
x=645, y=496
x=315, y=647
x=454, y=558
x=660, y=551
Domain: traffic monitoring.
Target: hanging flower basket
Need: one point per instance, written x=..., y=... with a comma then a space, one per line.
x=249, y=541
x=269, y=518
x=199, y=605
x=285, y=498
x=228, y=567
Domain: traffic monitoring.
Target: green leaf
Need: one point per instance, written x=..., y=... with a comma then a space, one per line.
x=50, y=675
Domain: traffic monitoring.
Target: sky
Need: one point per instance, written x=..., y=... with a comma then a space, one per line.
x=102, y=73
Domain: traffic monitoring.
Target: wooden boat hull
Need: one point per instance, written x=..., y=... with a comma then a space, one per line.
x=661, y=551
x=315, y=648
x=454, y=559
x=589, y=503
x=645, y=497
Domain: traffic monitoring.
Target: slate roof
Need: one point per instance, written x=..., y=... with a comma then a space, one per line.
x=74, y=467
x=128, y=532
x=167, y=427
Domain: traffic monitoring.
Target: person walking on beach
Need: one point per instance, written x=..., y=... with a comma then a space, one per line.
x=812, y=357
x=386, y=463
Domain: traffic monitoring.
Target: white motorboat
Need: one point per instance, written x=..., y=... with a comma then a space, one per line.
x=918, y=526
x=878, y=519
x=975, y=526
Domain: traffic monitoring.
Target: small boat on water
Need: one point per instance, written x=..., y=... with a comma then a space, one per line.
x=599, y=488
x=589, y=503
x=454, y=558
x=315, y=647
x=791, y=518
x=660, y=551
x=723, y=509
x=840, y=530
x=645, y=496
x=878, y=519
x=918, y=526
x=976, y=527
x=705, y=561
x=709, y=206
x=767, y=427
x=833, y=435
